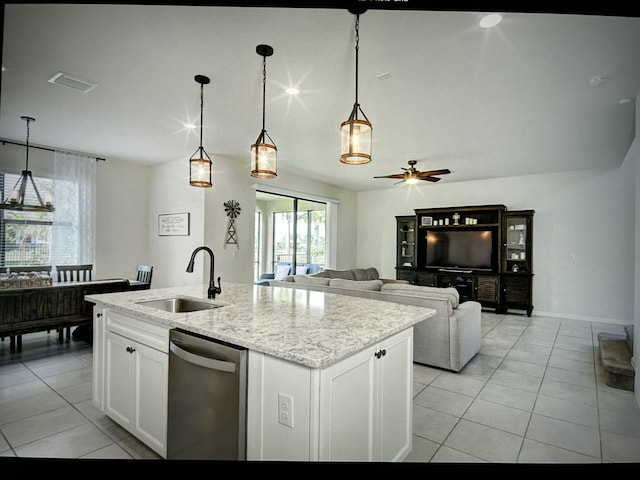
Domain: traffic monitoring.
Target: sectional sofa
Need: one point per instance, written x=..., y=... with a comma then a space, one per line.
x=447, y=340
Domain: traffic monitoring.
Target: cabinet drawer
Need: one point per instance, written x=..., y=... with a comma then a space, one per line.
x=147, y=333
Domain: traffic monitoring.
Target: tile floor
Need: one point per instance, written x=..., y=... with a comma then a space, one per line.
x=534, y=394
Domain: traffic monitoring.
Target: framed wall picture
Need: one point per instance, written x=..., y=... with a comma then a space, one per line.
x=426, y=221
x=173, y=224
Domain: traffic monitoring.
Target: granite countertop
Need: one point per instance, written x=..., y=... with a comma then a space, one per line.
x=315, y=329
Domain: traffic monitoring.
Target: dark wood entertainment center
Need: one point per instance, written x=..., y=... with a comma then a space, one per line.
x=483, y=251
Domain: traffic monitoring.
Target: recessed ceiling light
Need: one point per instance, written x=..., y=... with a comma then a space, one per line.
x=383, y=76
x=293, y=90
x=490, y=20
x=596, y=80
x=189, y=125
x=624, y=101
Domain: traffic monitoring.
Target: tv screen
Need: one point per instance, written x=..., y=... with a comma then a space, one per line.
x=460, y=249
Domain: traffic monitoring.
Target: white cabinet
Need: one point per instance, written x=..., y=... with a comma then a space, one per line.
x=365, y=404
x=135, y=377
x=358, y=409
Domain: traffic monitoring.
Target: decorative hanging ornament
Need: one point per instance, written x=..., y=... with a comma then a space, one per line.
x=232, y=208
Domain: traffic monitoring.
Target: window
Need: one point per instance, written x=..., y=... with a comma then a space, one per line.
x=25, y=237
x=66, y=236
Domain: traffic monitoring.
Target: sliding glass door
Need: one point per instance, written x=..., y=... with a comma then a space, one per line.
x=290, y=230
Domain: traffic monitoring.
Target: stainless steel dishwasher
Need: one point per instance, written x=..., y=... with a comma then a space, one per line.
x=207, y=398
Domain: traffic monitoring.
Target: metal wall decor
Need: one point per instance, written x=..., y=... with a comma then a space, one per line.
x=232, y=208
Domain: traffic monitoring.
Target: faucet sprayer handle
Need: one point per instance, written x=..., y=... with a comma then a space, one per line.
x=218, y=289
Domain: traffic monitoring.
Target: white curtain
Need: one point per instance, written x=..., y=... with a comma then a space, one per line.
x=73, y=234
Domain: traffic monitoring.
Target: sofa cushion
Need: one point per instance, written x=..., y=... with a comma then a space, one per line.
x=449, y=293
x=281, y=272
x=345, y=274
x=310, y=280
x=301, y=269
x=365, y=273
x=356, y=284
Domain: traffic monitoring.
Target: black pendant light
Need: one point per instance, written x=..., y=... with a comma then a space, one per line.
x=200, y=163
x=356, y=132
x=264, y=152
x=15, y=201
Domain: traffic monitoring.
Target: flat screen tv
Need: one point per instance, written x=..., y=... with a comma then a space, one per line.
x=469, y=249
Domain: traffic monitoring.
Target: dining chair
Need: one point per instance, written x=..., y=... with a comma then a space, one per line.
x=144, y=273
x=74, y=273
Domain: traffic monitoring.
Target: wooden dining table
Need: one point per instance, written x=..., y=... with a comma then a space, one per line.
x=59, y=306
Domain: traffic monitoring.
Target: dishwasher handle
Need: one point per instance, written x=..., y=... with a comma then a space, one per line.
x=210, y=363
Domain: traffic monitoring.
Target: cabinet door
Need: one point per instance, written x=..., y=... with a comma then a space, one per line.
x=150, y=383
x=366, y=403
x=348, y=409
x=395, y=380
x=405, y=241
x=119, y=379
x=517, y=242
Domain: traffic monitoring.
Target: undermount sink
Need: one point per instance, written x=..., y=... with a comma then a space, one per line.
x=179, y=304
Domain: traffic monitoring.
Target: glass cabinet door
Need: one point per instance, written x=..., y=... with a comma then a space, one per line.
x=517, y=244
x=406, y=243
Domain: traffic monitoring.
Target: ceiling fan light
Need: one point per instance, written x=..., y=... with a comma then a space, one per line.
x=411, y=178
x=356, y=141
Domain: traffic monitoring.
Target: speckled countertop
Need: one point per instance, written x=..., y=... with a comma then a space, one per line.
x=311, y=328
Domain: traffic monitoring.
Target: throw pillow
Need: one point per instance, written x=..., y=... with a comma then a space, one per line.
x=372, y=273
x=356, y=284
x=281, y=272
x=301, y=269
x=360, y=274
x=309, y=280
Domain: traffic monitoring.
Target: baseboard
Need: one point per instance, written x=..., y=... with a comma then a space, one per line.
x=586, y=318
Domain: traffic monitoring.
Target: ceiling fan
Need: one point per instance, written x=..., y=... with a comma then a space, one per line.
x=411, y=175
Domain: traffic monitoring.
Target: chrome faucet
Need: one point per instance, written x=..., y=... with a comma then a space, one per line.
x=213, y=290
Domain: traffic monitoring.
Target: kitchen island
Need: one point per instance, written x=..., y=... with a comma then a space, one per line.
x=343, y=363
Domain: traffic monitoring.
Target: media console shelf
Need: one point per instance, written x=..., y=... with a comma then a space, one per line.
x=483, y=251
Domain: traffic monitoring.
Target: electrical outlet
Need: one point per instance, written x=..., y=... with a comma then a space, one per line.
x=285, y=409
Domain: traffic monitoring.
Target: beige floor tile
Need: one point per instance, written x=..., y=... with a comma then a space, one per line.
x=43, y=425
x=22, y=390
x=570, y=376
x=622, y=423
x=524, y=367
x=498, y=416
x=574, y=412
x=538, y=452
x=29, y=406
x=458, y=383
x=517, y=380
x=509, y=396
x=484, y=442
x=620, y=448
x=422, y=450
x=71, y=443
x=563, y=434
x=113, y=451
x=431, y=424
x=444, y=401
x=450, y=455
x=567, y=391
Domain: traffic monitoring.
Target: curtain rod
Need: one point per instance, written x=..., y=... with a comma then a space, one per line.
x=3, y=141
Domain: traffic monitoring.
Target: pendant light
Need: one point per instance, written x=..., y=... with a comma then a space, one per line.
x=200, y=163
x=16, y=199
x=356, y=132
x=264, y=153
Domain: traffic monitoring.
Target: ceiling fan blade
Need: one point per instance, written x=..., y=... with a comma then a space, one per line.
x=395, y=175
x=435, y=172
x=430, y=179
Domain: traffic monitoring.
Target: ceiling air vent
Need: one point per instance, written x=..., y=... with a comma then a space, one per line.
x=70, y=81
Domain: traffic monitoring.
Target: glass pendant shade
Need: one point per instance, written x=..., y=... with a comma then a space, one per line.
x=356, y=133
x=264, y=154
x=200, y=169
x=200, y=163
x=356, y=140
x=263, y=157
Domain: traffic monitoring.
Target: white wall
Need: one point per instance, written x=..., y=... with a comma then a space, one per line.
x=636, y=323
x=122, y=210
x=170, y=193
x=583, y=234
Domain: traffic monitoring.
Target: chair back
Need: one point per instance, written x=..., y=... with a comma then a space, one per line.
x=74, y=273
x=144, y=273
x=30, y=268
